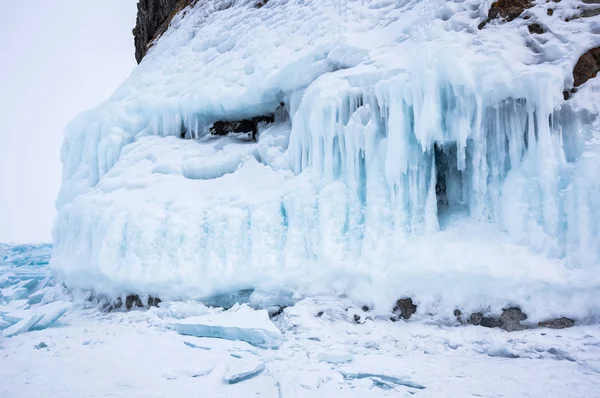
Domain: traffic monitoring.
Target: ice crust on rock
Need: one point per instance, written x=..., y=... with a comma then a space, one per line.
x=243, y=323
x=419, y=156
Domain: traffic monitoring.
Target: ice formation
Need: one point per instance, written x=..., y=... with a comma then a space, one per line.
x=24, y=283
x=416, y=155
x=242, y=324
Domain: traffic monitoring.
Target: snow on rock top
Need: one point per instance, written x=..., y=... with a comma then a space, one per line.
x=417, y=155
x=245, y=324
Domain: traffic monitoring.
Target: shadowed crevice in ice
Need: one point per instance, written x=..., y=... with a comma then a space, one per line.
x=383, y=377
x=502, y=352
x=192, y=345
x=238, y=373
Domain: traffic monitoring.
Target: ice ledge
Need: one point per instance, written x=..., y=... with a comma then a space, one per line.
x=240, y=323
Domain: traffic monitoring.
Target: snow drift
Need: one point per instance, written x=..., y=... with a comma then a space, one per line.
x=417, y=154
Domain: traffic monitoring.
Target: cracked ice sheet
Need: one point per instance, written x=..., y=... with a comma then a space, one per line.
x=134, y=354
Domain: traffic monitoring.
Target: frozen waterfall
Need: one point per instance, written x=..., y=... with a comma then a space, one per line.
x=416, y=155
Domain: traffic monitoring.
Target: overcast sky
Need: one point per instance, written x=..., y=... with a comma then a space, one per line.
x=57, y=59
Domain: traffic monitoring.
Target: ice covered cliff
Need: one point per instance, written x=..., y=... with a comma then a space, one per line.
x=417, y=151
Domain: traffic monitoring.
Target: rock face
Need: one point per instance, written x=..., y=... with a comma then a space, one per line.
x=153, y=19
x=587, y=67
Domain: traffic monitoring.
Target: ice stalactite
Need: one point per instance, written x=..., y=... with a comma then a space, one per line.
x=398, y=146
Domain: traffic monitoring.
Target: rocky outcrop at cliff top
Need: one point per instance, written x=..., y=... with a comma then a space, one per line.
x=153, y=19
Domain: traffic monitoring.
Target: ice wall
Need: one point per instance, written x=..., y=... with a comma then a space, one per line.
x=419, y=155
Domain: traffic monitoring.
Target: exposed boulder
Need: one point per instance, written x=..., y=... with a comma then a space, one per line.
x=509, y=320
x=478, y=319
x=536, y=28
x=153, y=301
x=405, y=308
x=131, y=300
x=558, y=323
x=587, y=66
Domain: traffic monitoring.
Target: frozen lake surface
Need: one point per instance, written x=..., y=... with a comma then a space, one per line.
x=68, y=345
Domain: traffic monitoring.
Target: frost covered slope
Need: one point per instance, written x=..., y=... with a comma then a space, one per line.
x=416, y=155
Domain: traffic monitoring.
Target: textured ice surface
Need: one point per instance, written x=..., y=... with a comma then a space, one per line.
x=243, y=370
x=244, y=324
x=20, y=255
x=419, y=156
x=24, y=283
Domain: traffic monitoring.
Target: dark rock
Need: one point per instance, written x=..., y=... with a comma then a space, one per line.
x=406, y=308
x=590, y=12
x=260, y=3
x=365, y=308
x=240, y=126
x=394, y=318
x=478, y=319
x=153, y=301
x=508, y=9
x=587, y=66
x=536, y=28
x=131, y=300
x=549, y=11
x=276, y=310
x=566, y=95
x=587, y=12
x=320, y=314
x=558, y=323
x=153, y=19
x=356, y=318
x=511, y=318
x=457, y=312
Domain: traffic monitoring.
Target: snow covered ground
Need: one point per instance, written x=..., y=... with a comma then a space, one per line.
x=318, y=347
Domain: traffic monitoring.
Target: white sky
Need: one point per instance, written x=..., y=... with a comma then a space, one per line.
x=57, y=58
